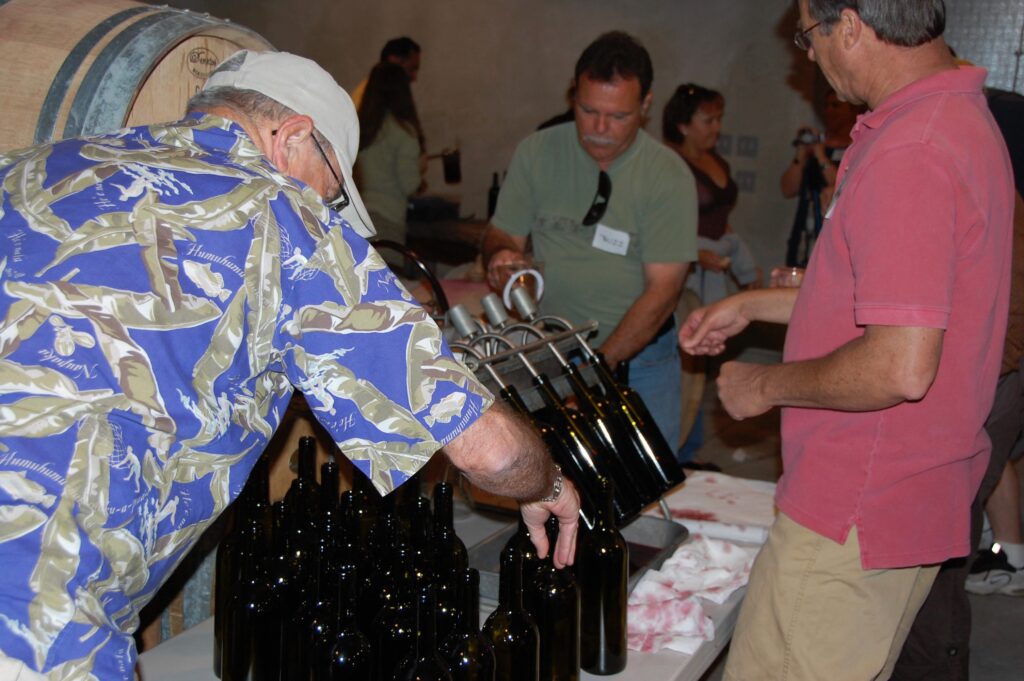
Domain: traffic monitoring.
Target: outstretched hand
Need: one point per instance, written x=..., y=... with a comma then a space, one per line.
x=707, y=328
x=567, y=509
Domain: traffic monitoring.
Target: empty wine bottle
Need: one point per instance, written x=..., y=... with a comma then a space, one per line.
x=602, y=572
x=469, y=654
x=521, y=542
x=424, y=663
x=450, y=559
x=552, y=599
x=451, y=551
x=283, y=571
x=350, y=657
x=511, y=630
x=303, y=502
x=394, y=628
x=245, y=612
x=237, y=547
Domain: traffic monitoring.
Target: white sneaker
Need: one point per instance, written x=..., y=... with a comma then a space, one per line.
x=992, y=573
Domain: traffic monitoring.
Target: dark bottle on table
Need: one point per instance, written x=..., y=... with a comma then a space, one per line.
x=553, y=601
x=467, y=651
x=303, y=495
x=393, y=631
x=367, y=503
x=492, y=195
x=602, y=572
x=521, y=543
x=424, y=663
x=349, y=657
x=510, y=629
x=283, y=571
x=450, y=559
x=244, y=613
x=237, y=548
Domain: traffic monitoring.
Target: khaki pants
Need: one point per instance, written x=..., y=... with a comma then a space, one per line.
x=812, y=613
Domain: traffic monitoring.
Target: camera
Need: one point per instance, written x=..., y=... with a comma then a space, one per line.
x=807, y=136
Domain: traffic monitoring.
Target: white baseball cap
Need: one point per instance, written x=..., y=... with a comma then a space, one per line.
x=306, y=88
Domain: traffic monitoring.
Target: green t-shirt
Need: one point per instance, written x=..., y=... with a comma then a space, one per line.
x=550, y=185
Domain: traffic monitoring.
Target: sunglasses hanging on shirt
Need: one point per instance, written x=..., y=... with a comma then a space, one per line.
x=600, y=203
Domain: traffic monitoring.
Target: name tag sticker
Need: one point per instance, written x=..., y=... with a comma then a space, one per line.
x=831, y=207
x=610, y=240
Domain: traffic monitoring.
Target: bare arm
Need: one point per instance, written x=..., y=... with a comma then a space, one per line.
x=884, y=367
x=706, y=329
x=793, y=175
x=501, y=453
x=794, y=172
x=663, y=282
x=500, y=248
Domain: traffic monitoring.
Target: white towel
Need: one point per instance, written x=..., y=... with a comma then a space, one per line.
x=665, y=608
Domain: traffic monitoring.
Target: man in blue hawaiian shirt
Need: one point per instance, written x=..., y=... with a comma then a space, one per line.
x=163, y=291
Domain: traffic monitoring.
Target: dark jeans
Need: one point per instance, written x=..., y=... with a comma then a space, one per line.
x=937, y=648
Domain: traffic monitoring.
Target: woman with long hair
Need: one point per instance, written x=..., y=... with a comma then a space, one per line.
x=391, y=161
x=691, y=125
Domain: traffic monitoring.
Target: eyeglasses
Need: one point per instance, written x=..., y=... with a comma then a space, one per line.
x=801, y=38
x=600, y=203
x=341, y=200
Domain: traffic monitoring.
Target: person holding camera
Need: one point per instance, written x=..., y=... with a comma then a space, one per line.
x=812, y=175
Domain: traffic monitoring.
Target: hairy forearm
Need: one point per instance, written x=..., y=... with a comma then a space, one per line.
x=501, y=453
x=645, y=316
x=886, y=366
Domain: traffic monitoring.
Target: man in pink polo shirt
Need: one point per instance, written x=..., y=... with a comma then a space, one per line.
x=891, y=356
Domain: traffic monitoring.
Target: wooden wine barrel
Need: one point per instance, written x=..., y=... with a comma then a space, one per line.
x=76, y=67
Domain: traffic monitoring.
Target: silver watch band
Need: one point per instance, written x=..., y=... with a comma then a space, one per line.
x=556, y=487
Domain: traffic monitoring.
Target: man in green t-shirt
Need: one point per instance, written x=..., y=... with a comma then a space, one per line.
x=612, y=214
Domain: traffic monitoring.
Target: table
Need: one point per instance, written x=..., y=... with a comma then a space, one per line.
x=189, y=655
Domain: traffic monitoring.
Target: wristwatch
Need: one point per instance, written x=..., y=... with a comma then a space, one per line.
x=556, y=487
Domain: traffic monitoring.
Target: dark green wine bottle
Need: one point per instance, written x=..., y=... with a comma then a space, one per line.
x=511, y=630
x=469, y=653
x=602, y=572
x=424, y=663
x=553, y=601
x=350, y=657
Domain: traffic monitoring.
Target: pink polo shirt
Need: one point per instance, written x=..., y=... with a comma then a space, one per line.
x=919, y=235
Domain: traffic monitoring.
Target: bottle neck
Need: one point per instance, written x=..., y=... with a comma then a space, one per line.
x=307, y=459
x=444, y=513
x=469, y=605
x=426, y=632
x=510, y=581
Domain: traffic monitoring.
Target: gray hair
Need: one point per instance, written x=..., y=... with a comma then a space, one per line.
x=251, y=103
x=907, y=23
x=254, y=105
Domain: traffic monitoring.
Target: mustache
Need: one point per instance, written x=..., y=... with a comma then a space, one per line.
x=599, y=140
